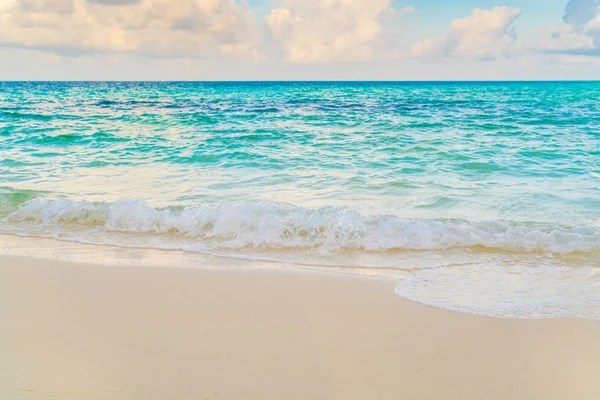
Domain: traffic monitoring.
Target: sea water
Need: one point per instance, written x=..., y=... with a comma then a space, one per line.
x=476, y=197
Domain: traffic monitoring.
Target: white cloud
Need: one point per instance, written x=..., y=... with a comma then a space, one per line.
x=566, y=37
x=313, y=31
x=406, y=10
x=580, y=34
x=594, y=25
x=485, y=34
x=188, y=28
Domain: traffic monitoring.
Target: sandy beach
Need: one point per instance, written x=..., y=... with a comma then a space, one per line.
x=77, y=331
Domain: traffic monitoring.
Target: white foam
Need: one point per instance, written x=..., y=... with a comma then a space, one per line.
x=323, y=230
x=501, y=291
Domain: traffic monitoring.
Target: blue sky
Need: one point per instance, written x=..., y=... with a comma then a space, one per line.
x=299, y=39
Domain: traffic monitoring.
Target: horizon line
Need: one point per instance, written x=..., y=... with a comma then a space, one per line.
x=300, y=81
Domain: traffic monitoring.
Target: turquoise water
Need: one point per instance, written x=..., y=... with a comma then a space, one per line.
x=478, y=197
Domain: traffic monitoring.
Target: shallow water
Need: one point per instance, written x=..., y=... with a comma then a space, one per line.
x=479, y=197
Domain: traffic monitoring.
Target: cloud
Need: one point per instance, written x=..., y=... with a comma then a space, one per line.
x=571, y=40
x=114, y=2
x=580, y=34
x=46, y=6
x=315, y=31
x=566, y=37
x=580, y=12
x=181, y=28
x=594, y=25
x=485, y=34
x=405, y=10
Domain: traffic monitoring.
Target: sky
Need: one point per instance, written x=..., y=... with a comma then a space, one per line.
x=299, y=39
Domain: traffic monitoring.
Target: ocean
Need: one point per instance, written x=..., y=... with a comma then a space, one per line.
x=479, y=197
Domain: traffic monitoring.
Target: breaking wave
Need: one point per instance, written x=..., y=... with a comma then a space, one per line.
x=278, y=226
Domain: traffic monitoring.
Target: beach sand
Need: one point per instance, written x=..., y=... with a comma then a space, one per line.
x=77, y=331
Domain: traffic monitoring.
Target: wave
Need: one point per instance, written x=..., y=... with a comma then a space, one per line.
x=278, y=226
x=14, y=114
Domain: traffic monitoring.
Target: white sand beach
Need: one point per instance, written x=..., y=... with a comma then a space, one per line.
x=79, y=331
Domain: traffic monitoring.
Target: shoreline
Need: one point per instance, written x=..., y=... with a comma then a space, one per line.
x=459, y=282
x=77, y=330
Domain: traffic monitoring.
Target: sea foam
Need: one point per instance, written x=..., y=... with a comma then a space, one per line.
x=325, y=229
